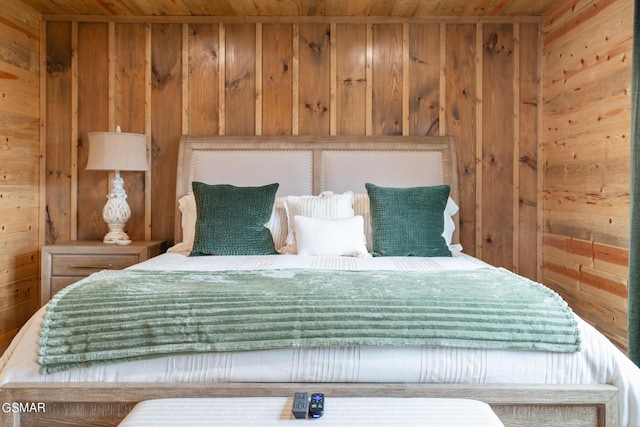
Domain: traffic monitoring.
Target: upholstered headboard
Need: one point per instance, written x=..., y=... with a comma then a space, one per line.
x=312, y=164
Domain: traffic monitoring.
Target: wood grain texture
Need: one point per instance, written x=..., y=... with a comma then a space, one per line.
x=353, y=75
x=204, y=63
x=129, y=111
x=351, y=79
x=460, y=114
x=22, y=165
x=277, y=79
x=314, y=80
x=529, y=109
x=240, y=79
x=497, y=152
x=93, y=116
x=166, y=67
x=592, y=277
x=424, y=84
x=58, y=133
x=387, y=76
x=225, y=8
x=585, y=141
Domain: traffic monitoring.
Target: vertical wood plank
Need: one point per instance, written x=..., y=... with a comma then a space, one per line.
x=333, y=76
x=42, y=134
x=528, y=158
x=368, y=103
x=111, y=72
x=277, y=82
x=516, y=148
x=166, y=128
x=406, y=78
x=442, y=90
x=424, y=56
x=240, y=79
x=351, y=79
x=204, y=55
x=497, y=150
x=186, y=123
x=314, y=81
x=258, y=80
x=148, y=176
x=539, y=156
x=479, y=133
x=74, y=133
x=58, y=132
x=387, y=79
x=460, y=116
x=93, y=115
x=295, y=90
x=222, y=69
x=129, y=111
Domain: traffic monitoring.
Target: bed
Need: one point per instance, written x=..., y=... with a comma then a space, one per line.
x=596, y=386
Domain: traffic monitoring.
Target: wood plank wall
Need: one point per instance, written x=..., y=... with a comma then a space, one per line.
x=21, y=222
x=586, y=158
x=477, y=80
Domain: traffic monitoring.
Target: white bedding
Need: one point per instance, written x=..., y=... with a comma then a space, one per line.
x=599, y=362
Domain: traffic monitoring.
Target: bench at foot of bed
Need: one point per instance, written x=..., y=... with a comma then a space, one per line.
x=352, y=411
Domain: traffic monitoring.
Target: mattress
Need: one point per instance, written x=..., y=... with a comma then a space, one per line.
x=599, y=362
x=272, y=411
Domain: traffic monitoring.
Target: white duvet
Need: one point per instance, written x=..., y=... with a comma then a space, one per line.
x=599, y=362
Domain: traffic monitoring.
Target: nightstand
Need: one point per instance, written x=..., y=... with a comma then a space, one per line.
x=66, y=263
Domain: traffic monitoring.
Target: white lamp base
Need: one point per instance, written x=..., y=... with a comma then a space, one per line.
x=116, y=212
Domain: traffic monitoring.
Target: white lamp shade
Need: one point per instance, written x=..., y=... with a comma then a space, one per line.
x=116, y=151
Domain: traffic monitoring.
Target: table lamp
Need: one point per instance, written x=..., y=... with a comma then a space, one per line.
x=117, y=151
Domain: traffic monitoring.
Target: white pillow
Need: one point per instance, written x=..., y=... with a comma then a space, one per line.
x=187, y=204
x=361, y=207
x=330, y=237
x=449, y=226
x=325, y=206
x=278, y=223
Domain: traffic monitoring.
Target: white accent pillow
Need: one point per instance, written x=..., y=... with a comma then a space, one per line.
x=325, y=206
x=330, y=237
x=449, y=226
x=187, y=205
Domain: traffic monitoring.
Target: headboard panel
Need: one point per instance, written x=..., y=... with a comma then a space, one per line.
x=292, y=169
x=312, y=164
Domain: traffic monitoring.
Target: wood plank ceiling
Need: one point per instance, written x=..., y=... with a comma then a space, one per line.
x=291, y=8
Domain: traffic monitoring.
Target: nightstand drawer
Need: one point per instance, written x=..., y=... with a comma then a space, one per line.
x=74, y=265
x=66, y=263
x=61, y=282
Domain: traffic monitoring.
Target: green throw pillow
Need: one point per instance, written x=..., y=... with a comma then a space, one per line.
x=231, y=220
x=408, y=221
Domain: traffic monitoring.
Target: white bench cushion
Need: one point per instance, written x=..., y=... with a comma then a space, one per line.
x=360, y=411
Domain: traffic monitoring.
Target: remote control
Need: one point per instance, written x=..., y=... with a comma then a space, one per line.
x=316, y=405
x=300, y=405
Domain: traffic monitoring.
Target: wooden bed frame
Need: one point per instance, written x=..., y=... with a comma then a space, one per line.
x=105, y=404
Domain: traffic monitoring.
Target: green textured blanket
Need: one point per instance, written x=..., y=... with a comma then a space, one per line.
x=113, y=316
